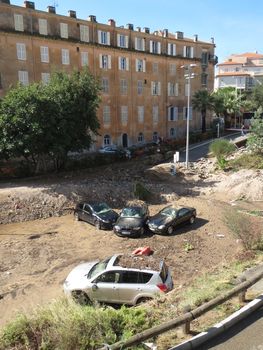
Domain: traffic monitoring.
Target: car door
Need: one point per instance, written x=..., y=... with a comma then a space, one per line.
x=129, y=286
x=183, y=215
x=105, y=288
x=87, y=214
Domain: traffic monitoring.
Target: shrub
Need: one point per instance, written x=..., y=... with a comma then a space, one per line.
x=248, y=161
x=141, y=192
x=221, y=148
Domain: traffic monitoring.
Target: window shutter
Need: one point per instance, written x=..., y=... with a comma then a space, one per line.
x=174, y=50
x=136, y=64
x=159, y=47
x=152, y=86
x=169, y=113
x=108, y=38
x=119, y=63
x=126, y=41
x=151, y=46
x=109, y=61
x=175, y=113
x=144, y=66
x=184, y=51
x=184, y=115
x=192, y=52
x=118, y=40
x=176, y=89
x=100, y=57
x=169, y=49
x=143, y=44
x=159, y=88
x=136, y=44
x=127, y=63
x=99, y=36
x=169, y=89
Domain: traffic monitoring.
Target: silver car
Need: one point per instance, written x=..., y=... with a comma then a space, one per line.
x=119, y=279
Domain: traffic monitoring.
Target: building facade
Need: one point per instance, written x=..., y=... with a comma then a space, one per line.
x=144, y=90
x=242, y=71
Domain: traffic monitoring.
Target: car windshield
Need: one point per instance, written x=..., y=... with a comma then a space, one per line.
x=99, y=267
x=100, y=208
x=169, y=212
x=132, y=212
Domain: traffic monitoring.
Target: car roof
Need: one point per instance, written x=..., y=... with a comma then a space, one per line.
x=137, y=262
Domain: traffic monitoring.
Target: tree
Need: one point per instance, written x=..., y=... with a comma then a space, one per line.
x=202, y=100
x=40, y=121
x=255, y=139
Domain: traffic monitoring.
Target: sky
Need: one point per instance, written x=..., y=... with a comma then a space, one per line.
x=236, y=25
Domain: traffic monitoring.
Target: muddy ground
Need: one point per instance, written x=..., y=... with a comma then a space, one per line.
x=40, y=242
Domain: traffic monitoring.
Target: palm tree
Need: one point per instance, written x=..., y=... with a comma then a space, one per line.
x=202, y=101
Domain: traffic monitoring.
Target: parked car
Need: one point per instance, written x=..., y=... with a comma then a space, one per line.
x=169, y=217
x=132, y=220
x=119, y=279
x=113, y=150
x=98, y=214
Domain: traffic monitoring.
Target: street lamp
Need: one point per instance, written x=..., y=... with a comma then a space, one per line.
x=188, y=76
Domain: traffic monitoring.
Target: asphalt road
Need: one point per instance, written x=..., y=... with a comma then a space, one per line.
x=246, y=335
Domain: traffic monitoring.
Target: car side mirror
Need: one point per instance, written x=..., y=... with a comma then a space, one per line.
x=94, y=287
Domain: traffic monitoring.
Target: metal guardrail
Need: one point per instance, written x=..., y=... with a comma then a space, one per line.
x=186, y=318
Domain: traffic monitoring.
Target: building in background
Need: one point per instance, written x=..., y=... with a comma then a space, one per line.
x=242, y=71
x=144, y=90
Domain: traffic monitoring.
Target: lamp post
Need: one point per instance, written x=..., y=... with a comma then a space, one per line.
x=188, y=76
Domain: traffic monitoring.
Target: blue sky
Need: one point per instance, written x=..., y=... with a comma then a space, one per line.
x=236, y=25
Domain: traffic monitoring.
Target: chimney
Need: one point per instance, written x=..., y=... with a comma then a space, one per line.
x=5, y=2
x=29, y=5
x=138, y=29
x=195, y=37
x=146, y=30
x=92, y=18
x=179, y=35
x=72, y=14
x=51, y=9
x=129, y=26
x=155, y=32
x=212, y=40
x=165, y=33
x=111, y=22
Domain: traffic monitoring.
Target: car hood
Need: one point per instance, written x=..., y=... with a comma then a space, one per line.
x=110, y=215
x=129, y=222
x=159, y=220
x=77, y=278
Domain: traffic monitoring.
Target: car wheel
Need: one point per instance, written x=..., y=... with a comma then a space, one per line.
x=192, y=220
x=143, y=300
x=97, y=225
x=170, y=230
x=76, y=216
x=80, y=297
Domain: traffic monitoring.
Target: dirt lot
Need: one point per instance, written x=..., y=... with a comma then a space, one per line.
x=39, y=245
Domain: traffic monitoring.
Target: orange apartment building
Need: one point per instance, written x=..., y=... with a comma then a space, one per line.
x=144, y=90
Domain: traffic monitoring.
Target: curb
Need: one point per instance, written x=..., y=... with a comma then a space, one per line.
x=221, y=326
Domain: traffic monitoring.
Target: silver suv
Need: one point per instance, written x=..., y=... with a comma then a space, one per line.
x=120, y=279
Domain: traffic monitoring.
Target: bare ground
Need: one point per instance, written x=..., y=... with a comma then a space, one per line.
x=40, y=242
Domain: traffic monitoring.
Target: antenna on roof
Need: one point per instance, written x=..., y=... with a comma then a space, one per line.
x=55, y=3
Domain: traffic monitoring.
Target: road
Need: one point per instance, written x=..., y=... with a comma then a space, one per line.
x=246, y=335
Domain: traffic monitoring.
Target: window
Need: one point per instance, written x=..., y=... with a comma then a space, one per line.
x=123, y=87
x=155, y=136
x=155, y=114
x=84, y=33
x=19, y=23
x=140, y=44
x=103, y=37
x=155, y=67
x=156, y=88
x=139, y=87
x=141, y=114
x=172, y=132
x=23, y=77
x=123, y=63
x=185, y=109
x=105, y=85
x=172, y=89
x=84, y=59
x=122, y=40
x=155, y=47
x=140, y=65
x=64, y=30
x=108, y=277
x=105, y=61
x=204, y=79
x=42, y=26
x=45, y=78
x=65, y=56
x=140, y=137
x=106, y=115
x=21, y=51
x=44, y=54
x=172, y=113
x=204, y=58
x=172, y=69
x=124, y=115
x=171, y=49
x=130, y=277
x=106, y=140
x=188, y=51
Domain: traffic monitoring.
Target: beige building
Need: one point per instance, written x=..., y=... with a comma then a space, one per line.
x=144, y=90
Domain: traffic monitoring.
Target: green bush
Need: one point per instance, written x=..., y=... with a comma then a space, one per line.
x=141, y=192
x=247, y=161
x=221, y=148
x=65, y=325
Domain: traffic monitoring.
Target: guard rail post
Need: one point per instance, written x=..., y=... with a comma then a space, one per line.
x=186, y=325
